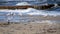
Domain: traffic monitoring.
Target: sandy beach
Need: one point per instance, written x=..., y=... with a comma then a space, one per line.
x=31, y=28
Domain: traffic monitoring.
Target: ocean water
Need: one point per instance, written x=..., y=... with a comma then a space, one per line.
x=41, y=2
x=21, y=15
x=13, y=3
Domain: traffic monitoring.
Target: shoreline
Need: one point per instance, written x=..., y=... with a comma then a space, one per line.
x=28, y=19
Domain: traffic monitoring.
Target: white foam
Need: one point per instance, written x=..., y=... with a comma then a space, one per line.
x=31, y=11
x=22, y=4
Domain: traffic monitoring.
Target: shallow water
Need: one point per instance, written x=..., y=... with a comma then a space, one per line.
x=15, y=15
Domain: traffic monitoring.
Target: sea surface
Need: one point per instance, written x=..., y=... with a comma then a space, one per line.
x=21, y=15
x=35, y=2
x=13, y=3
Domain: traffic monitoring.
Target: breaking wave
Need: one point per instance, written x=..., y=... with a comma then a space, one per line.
x=17, y=15
x=32, y=11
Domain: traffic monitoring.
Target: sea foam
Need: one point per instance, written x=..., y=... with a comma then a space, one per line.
x=31, y=11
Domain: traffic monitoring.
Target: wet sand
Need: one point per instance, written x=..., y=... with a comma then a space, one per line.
x=44, y=27
x=34, y=26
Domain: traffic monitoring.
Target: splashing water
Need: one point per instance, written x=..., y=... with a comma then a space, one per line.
x=17, y=14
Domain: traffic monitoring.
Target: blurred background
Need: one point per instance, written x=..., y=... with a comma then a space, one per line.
x=32, y=2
